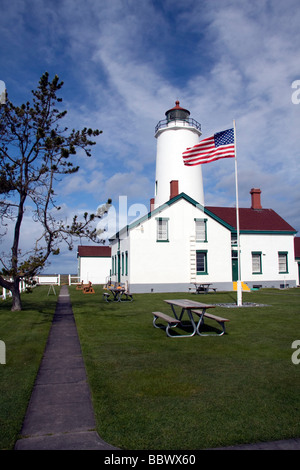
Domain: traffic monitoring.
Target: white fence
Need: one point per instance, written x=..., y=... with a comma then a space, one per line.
x=40, y=280
x=7, y=293
x=73, y=280
x=48, y=280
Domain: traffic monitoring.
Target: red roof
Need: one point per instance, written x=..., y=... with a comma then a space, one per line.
x=177, y=103
x=297, y=247
x=99, y=251
x=252, y=219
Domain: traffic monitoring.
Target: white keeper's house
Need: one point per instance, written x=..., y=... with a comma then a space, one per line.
x=181, y=241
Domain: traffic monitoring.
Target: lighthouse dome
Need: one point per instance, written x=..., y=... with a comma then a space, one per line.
x=177, y=113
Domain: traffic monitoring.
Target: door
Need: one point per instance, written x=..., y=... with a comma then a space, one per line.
x=235, y=266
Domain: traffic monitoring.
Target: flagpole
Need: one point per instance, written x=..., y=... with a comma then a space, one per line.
x=239, y=283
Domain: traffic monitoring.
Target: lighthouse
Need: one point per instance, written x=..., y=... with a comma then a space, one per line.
x=174, y=135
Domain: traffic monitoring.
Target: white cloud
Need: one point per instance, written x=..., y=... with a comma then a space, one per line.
x=125, y=63
x=133, y=185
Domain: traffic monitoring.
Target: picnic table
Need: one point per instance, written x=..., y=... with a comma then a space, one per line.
x=189, y=307
x=86, y=288
x=203, y=288
x=118, y=292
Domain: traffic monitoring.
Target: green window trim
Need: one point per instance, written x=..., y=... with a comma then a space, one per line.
x=233, y=239
x=256, y=255
x=114, y=264
x=126, y=263
x=202, y=239
x=122, y=264
x=201, y=262
x=162, y=229
x=283, y=255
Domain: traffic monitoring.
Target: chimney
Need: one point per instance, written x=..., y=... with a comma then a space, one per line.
x=152, y=204
x=255, y=198
x=174, y=191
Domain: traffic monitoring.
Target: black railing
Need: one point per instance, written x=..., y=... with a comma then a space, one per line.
x=189, y=122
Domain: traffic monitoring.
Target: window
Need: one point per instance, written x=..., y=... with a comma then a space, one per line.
x=122, y=264
x=233, y=239
x=201, y=233
x=126, y=263
x=162, y=230
x=201, y=262
x=282, y=262
x=256, y=263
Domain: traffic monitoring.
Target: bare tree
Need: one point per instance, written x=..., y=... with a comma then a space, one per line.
x=35, y=151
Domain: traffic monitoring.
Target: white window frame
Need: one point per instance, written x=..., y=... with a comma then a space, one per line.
x=256, y=262
x=162, y=229
x=283, y=262
x=201, y=230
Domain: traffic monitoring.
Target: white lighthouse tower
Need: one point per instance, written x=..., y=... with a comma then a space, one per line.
x=174, y=135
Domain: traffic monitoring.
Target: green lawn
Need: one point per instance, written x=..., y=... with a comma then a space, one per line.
x=154, y=392
x=24, y=334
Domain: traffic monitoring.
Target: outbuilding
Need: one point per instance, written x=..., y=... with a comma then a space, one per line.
x=93, y=263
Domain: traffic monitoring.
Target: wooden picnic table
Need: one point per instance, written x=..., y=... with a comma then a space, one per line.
x=118, y=293
x=189, y=307
x=203, y=288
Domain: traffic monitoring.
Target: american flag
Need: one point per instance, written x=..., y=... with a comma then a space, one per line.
x=220, y=145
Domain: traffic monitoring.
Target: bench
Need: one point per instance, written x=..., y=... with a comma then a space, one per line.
x=172, y=322
x=127, y=295
x=81, y=286
x=88, y=289
x=126, y=292
x=106, y=296
x=220, y=320
x=202, y=289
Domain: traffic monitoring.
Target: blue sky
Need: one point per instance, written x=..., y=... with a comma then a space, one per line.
x=125, y=62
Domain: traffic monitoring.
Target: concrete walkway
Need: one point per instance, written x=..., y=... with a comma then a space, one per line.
x=60, y=415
